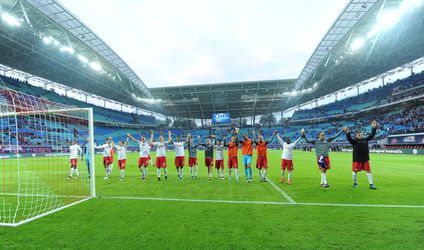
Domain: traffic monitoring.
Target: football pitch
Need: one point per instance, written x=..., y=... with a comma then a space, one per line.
x=208, y=214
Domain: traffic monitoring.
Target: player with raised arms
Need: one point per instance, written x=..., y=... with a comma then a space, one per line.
x=179, y=154
x=287, y=157
x=209, y=147
x=107, y=157
x=247, y=151
x=122, y=156
x=143, y=160
x=74, y=150
x=160, y=154
x=192, y=156
x=219, y=160
x=361, y=154
x=232, y=154
x=322, y=148
x=262, y=154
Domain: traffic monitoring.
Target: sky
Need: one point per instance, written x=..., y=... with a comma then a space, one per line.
x=182, y=42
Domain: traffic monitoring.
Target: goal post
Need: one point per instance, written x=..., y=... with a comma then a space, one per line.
x=36, y=135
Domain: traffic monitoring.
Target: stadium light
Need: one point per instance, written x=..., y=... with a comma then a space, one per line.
x=83, y=59
x=11, y=20
x=67, y=49
x=95, y=66
x=410, y=4
x=357, y=43
x=48, y=39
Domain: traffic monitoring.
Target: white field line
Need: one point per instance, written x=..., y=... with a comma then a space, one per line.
x=261, y=202
x=42, y=195
x=284, y=194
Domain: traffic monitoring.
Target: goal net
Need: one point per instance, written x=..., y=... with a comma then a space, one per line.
x=36, y=135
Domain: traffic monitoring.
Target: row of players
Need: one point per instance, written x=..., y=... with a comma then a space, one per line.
x=322, y=148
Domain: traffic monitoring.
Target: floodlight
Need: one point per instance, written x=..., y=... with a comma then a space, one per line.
x=357, y=43
x=67, y=49
x=47, y=40
x=11, y=20
x=95, y=66
x=83, y=59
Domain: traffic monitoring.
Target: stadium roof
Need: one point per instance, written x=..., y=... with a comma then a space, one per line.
x=240, y=99
x=52, y=43
x=369, y=38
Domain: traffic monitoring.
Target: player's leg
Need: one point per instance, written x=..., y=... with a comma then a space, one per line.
x=71, y=170
x=367, y=168
x=249, y=167
x=283, y=168
x=235, y=165
x=190, y=166
x=122, y=168
x=230, y=169
x=265, y=168
x=165, y=168
x=290, y=171
x=259, y=168
x=87, y=162
x=158, y=167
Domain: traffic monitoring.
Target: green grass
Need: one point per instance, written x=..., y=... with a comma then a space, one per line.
x=122, y=223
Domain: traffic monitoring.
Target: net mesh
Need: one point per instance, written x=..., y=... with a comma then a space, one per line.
x=36, y=135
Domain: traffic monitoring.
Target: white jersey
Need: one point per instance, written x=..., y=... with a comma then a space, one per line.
x=144, y=149
x=160, y=149
x=287, y=148
x=179, y=149
x=219, y=149
x=122, y=152
x=106, y=149
x=74, y=149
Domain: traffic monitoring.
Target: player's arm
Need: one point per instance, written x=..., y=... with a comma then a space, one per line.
x=151, y=136
x=170, y=137
x=305, y=138
x=348, y=136
x=126, y=142
x=236, y=130
x=296, y=141
x=132, y=138
x=373, y=131
x=254, y=137
x=225, y=141
x=272, y=138
x=280, y=140
x=335, y=136
x=81, y=152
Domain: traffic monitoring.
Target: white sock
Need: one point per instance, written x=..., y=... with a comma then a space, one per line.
x=237, y=173
x=222, y=172
x=122, y=173
x=76, y=171
x=195, y=170
x=264, y=174
x=181, y=173
x=158, y=172
x=210, y=172
x=165, y=171
x=146, y=170
x=323, y=178
x=354, y=177
x=260, y=173
x=369, y=175
x=229, y=173
x=282, y=173
x=289, y=176
x=71, y=172
x=191, y=171
x=141, y=170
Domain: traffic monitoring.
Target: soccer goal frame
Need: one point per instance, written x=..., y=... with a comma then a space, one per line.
x=58, y=200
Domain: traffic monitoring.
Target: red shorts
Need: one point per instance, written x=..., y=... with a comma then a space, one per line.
x=148, y=157
x=122, y=163
x=74, y=162
x=262, y=162
x=179, y=161
x=208, y=162
x=323, y=162
x=233, y=162
x=219, y=164
x=143, y=161
x=359, y=166
x=107, y=160
x=286, y=164
x=192, y=161
x=161, y=162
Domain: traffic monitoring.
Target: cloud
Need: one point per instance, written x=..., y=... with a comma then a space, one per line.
x=185, y=42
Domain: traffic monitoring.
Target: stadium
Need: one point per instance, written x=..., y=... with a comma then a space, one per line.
x=92, y=156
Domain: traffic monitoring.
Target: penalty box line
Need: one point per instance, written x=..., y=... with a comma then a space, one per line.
x=284, y=194
x=261, y=202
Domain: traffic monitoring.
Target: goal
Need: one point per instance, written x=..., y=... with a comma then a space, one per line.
x=35, y=162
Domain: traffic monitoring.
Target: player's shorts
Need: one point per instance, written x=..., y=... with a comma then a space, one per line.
x=74, y=162
x=122, y=163
x=192, y=161
x=219, y=164
x=359, y=166
x=107, y=160
x=161, y=162
x=179, y=161
x=323, y=162
x=148, y=157
x=143, y=161
x=286, y=164
x=247, y=159
x=262, y=162
x=208, y=162
x=233, y=162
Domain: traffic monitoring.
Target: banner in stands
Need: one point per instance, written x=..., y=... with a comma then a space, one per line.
x=406, y=139
x=407, y=151
x=221, y=118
